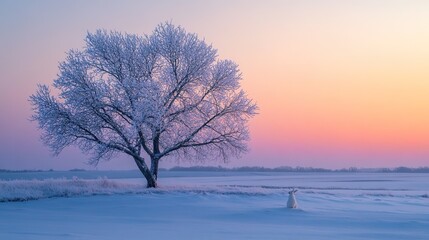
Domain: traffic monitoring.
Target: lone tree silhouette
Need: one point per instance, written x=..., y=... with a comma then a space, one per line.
x=152, y=96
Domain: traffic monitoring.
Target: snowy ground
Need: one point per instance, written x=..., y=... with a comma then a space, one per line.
x=195, y=205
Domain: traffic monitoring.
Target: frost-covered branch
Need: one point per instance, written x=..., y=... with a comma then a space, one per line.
x=164, y=94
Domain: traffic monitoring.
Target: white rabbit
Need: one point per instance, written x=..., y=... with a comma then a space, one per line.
x=291, y=202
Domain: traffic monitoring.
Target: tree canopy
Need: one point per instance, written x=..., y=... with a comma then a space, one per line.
x=150, y=97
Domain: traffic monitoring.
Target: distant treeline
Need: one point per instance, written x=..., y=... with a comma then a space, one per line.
x=38, y=170
x=24, y=171
x=406, y=170
x=300, y=169
x=264, y=169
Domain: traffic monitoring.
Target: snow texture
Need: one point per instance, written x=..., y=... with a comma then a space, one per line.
x=22, y=190
x=218, y=206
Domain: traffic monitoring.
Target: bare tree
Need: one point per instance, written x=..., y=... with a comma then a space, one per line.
x=164, y=94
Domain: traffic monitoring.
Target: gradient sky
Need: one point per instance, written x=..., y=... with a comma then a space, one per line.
x=339, y=83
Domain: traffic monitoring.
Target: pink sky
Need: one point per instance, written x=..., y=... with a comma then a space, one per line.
x=338, y=83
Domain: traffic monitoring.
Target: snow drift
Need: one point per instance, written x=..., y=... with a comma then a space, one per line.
x=22, y=190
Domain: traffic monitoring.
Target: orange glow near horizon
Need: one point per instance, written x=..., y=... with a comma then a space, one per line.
x=347, y=80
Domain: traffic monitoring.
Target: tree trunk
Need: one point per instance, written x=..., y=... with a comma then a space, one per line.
x=154, y=167
x=154, y=160
x=151, y=180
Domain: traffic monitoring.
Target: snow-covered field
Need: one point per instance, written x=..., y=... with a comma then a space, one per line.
x=213, y=205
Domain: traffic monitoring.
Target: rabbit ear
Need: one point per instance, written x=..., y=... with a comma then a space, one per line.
x=295, y=190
